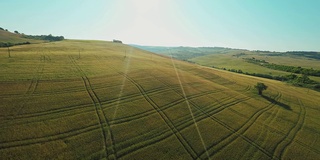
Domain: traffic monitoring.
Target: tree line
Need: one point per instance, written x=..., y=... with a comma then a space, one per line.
x=3, y=29
x=49, y=38
x=9, y=44
x=44, y=37
x=292, y=69
x=301, y=81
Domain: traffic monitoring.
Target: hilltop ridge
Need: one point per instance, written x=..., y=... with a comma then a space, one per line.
x=8, y=38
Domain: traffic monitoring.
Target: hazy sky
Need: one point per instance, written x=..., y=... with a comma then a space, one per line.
x=278, y=25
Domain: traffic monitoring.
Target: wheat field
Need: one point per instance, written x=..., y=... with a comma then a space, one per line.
x=102, y=100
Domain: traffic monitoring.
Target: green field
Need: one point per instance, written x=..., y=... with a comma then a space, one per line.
x=229, y=61
x=234, y=59
x=102, y=100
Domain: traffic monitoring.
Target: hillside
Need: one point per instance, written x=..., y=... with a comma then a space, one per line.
x=276, y=65
x=187, y=53
x=8, y=37
x=102, y=100
x=211, y=55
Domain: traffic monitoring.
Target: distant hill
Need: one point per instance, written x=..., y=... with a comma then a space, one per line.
x=266, y=64
x=186, y=53
x=8, y=37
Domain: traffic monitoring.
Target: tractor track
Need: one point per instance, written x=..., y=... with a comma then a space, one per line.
x=181, y=124
x=31, y=88
x=93, y=99
x=69, y=110
x=152, y=102
x=107, y=103
x=108, y=138
x=158, y=136
x=264, y=131
x=49, y=138
x=165, y=118
x=214, y=148
x=164, y=107
x=283, y=144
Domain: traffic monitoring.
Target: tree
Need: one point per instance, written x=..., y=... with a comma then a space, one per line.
x=16, y=32
x=260, y=87
x=117, y=41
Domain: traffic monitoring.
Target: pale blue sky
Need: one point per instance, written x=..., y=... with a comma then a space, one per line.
x=276, y=25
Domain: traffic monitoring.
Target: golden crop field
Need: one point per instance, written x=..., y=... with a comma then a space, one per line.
x=103, y=100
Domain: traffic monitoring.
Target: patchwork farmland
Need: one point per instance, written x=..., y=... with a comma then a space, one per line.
x=102, y=100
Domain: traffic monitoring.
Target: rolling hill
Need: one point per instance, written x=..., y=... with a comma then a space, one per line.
x=101, y=100
x=241, y=60
x=8, y=37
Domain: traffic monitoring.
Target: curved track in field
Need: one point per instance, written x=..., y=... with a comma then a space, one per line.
x=165, y=118
x=280, y=148
x=108, y=139
x=210, y=98
x=32, y=86
x=236, y=132
x=240, y=132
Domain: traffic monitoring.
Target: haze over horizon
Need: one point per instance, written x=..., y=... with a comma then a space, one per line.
x=272, y=25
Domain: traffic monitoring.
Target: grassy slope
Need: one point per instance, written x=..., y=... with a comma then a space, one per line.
x=118, y=101
x=291, y=61
x=232, y=62
x=6, y=36
x=229, y=61
x=224, y=58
